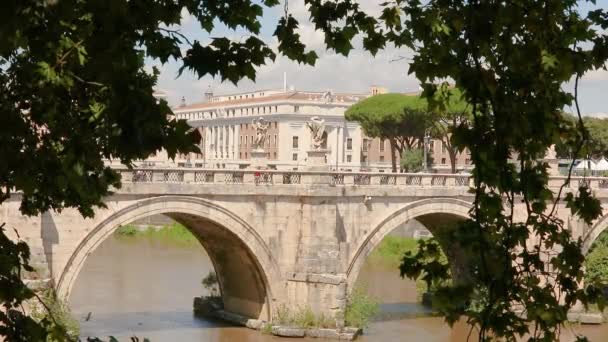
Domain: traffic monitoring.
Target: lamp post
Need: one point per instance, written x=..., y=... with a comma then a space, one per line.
x=427, y=140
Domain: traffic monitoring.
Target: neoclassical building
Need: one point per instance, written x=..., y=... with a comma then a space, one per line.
x=225, y=123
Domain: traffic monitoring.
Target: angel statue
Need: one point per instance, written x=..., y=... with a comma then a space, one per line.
x=316, y=125
x=261, y=126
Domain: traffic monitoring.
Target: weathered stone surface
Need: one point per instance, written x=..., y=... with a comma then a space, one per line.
x=591, y=318
x=294, y=242
x=254, y=324
x=288, y=331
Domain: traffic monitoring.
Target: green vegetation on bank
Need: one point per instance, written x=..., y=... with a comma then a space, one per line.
x=596, y=261
x=391, y=249
x=58, y=311
x=173, y=234
x=360, y=308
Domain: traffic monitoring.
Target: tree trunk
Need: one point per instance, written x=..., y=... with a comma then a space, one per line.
x=393, y=156
x=452, y=152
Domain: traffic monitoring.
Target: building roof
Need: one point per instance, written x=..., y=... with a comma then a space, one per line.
x=315, y=97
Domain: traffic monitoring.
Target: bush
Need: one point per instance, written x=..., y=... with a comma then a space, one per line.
x=596, y=262
x=210, y=283
x=360, y=308
x=128, y=230
x=392, y=248
x=58, y=311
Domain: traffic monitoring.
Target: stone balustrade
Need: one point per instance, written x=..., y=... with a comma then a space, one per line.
x=273, y=177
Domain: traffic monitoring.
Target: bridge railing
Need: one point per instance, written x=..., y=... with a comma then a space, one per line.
x=275, y=177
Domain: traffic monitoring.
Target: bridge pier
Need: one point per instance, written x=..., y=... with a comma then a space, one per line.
x=276, y=238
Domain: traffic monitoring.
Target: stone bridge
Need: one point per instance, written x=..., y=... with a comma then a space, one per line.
x=275, y=238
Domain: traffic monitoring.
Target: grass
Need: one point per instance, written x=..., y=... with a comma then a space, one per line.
x=391, y=249
x=360, y=308
x=174, y=234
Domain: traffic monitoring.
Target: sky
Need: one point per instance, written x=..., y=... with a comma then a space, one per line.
x=355, y=73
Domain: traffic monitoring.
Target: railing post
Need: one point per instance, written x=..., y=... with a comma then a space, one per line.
x=450, y=181
x=126, y=176
x=400, y=179
x=188, y=176
x=426, y=180
x=249, y=177
x=219, y=177
x=349, y=179
x=158, y=176
x=374, y=179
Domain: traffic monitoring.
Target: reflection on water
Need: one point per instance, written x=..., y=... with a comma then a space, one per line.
x=145, y=288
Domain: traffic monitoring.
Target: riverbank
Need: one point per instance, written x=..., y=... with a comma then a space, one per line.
x=173, y=234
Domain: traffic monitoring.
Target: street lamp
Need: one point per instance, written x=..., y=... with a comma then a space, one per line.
x=427, y=141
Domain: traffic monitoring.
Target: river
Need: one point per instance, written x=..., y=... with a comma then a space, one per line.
x=141, y=287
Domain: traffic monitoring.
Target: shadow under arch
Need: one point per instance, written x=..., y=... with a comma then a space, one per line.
x=248, y=274
x=431, y=212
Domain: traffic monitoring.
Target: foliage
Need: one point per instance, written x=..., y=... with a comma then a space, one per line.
x=392, y=248
x=360, y=308
x=396, y=117
x=210, y=283
x=412, y=160
x=510, y=60
x=596, y=264
x=127, y=230
x=74, y=91
x=596, y=261
x=58, y=310
x=596, y=145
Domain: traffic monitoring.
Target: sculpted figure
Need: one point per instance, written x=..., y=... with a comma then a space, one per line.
x=261, y=126
x=316, y=125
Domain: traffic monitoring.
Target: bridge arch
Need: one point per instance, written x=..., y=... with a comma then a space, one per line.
x=430, y=212
x=248, y=275
x=592, y=234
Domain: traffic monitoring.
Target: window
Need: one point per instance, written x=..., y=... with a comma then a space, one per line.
x=295, y=142
x=432, y=146
x=294, y=157
x=442, y=160
x=275, y=140
x=252, y=140
x=382, y=159
x=296, y=109
x=241, y=140
x=275, y=155
x=245, y=141
x=365, y=145
x=349, y=144
x=264, y=110
x=381, y=145
x=275, y=109
x=240, y=155
x=349, y=158
x=466, y=161
x=364, y=159
x=444, y=147
x=245, y=155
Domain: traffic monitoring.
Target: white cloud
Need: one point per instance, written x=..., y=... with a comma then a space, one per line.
x=596, y=75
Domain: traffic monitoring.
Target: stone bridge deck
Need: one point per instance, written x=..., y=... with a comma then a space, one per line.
x=275, y=237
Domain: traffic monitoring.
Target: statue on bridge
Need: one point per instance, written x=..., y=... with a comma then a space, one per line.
x=316, y=125
x=261, y=127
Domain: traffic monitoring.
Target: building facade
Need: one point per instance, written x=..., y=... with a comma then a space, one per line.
x=225, y=123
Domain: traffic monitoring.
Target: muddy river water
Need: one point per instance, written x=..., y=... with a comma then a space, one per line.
x=140, y=287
